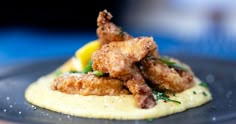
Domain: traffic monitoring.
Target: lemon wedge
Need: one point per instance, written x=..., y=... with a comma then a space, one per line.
x=81, y=58
x=83, y=54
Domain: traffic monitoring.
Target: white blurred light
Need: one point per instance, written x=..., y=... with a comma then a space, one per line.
x=181, y=18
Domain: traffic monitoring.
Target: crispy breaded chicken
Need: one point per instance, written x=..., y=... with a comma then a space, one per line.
x=88, y=84
x=131, y=63
x=164, y=77
x=141, y=91
x=108, y=31
x=118, y=59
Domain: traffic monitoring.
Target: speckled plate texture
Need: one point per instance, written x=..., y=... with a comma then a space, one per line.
x=219, y=74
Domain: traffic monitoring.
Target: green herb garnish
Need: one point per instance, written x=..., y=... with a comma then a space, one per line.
x=98, y=73
x=179, y=66
x=73, y=71
x=174, y=94
x=204, y=93
x=203, y=84
x=163, y=96
x=194, y=92
x=150, y=119
x=166, y=61
x=58, y=73
x=175, y=65
x=88, y=67
x=121, y=34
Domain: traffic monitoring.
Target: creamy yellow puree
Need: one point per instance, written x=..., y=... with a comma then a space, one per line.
x=121, y=107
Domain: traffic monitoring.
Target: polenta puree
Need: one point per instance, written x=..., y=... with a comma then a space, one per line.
x=120, y=107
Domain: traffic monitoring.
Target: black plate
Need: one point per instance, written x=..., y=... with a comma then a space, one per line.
x=219, y=74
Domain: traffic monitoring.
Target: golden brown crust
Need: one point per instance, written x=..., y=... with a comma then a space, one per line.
x=141, y=91
x=118, y=59
x=128, y=64
x=107, y=31
x=164, y=77
x=88, y=84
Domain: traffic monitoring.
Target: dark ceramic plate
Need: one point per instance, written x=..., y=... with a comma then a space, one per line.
x=219, y=74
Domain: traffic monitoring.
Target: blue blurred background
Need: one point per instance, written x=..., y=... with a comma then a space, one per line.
x=41, y=30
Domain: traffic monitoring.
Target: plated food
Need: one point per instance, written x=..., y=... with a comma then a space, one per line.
x=118, y=76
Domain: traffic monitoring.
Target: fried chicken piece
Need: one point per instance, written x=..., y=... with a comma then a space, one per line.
x=88, y=84
x=118, y=59
x=140, y=90
x=164, y=77
x=108, y=31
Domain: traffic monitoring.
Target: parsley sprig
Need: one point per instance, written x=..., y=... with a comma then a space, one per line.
x=163, y=96
x=58, y=73
x=169, y=63
x=203, y=84
x=88, y=67
x=98, y=73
